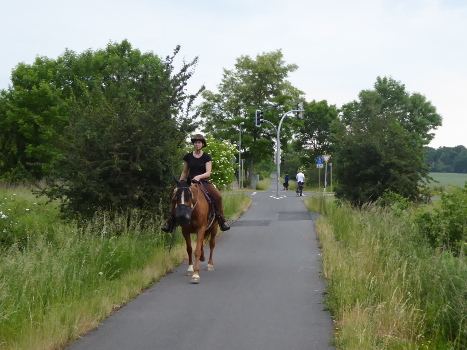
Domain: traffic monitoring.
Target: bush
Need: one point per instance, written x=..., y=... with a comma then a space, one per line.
x=445, y=227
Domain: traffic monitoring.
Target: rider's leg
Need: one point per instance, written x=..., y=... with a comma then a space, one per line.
x=171, y=224
x=217, y=197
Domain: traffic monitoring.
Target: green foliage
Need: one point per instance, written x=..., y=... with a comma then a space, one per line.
x=387, y=288
x=126, y=125
x=314, y=135
x=379, y=144
x=253, y=84
x=222, y=153
x=447, y=159
x=395, y=202
x=21, y=219
x=446, y=227
x=32, y=117
x=67, y=274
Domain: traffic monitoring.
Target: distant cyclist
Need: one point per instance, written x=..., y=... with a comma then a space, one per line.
x=300, y=182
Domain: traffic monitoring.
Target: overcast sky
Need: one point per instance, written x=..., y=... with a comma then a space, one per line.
x=340, y=46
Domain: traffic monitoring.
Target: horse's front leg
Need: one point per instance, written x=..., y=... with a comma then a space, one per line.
x=199, y=247
x=189, y=251
x=212, y=245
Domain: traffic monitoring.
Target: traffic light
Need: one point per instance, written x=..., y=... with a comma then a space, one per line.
x=282, y=160
x=299, y=108
x=258, y=117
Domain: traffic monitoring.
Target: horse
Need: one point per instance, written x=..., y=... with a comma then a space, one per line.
x=194, y=212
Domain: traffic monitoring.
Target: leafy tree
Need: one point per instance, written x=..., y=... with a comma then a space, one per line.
x=389, y=97
x=126, y=122
x=32, y=117
x=380, y=143
x=447, y=159
x=313, y=137
x=253, y=84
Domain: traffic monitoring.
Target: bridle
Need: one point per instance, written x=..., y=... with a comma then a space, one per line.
x=186, y=196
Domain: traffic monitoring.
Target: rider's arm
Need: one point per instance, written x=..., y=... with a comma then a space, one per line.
x=207, y=174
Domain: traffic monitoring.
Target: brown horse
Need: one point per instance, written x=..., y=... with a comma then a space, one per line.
x=195, y=214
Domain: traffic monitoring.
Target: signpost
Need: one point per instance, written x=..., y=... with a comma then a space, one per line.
x=319, y=166
x=326, y=160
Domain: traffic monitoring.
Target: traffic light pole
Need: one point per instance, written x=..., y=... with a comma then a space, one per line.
x=240, y=170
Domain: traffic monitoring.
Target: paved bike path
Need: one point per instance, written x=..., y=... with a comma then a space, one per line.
x=266, y=291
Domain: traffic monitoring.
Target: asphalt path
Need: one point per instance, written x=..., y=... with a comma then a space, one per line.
x=266, y=291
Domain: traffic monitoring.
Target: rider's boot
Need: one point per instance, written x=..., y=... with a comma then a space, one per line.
x=223, y=224
x=170, y=225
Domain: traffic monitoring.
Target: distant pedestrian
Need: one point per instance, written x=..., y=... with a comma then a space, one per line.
x=286, y=182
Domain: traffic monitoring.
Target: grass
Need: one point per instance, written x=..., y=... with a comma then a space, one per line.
x=387, y=289
x=73, y=278
x=446, y=180
x=263, y=184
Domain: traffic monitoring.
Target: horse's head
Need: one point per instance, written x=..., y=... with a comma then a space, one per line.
x=183, y=207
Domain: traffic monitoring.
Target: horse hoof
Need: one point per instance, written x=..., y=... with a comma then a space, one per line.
x=210, y=267
x=194, y=280
x=190, y=270
x=189, y=273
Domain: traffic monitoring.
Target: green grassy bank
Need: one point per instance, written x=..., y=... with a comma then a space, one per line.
x=387, y=288
x=58, y=281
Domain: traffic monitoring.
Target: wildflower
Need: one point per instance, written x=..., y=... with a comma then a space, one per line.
x=4, y=216
x=101, y=273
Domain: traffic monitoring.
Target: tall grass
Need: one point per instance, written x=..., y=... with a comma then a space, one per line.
x=263, y=184
x=387, y=289
x=65, y=280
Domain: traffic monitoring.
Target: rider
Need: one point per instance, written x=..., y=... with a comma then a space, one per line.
x=300, y=181
x=198, y=167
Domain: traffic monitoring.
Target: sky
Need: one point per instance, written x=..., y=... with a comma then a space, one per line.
x=340, y=46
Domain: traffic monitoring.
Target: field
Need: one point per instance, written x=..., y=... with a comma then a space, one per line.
x=448, y=179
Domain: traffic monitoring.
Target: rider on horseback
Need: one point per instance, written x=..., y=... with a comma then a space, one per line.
x=198, y=167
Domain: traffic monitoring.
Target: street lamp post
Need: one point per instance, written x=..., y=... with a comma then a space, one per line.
x=278, y=154
x=240, y=171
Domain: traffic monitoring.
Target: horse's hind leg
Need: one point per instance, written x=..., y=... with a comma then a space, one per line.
x=202, y=257
x=189, y=250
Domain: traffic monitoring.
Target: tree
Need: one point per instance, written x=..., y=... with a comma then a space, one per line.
x=126, y=120
x=253, y=84
x=314, y=134
x=32, y=117
x=447, y=159
x=222, y=153
x=380, y=144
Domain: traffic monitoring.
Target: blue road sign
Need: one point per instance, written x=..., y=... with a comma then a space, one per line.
x=319, y=160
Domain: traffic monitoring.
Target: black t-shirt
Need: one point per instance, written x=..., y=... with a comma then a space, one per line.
x=197, y=166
